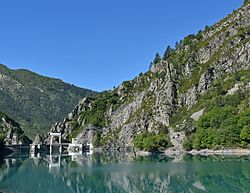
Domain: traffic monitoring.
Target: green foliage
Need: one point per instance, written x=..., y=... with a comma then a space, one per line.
x=189, y=40
x=193, y=80
x=187, y=145
x=195, y=42
x=39, y=102
x=95, y=114
x=75, y=129
x=245, y=133
x=146, y=107
x=157, y=58
x=96, y=140
x=99, y=105
x=152, y=142
x=206, y=27
x=215, y=96
x=215, y=117
x=226, y=119
x=178, y=44
x=179, y=116
x=167, y=52
x=111, y=136
x=223, y=125
x=127, y=85
x=244, y=123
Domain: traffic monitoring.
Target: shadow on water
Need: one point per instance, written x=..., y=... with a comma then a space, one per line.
x=124, y=172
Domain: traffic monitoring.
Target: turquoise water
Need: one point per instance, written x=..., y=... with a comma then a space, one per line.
x=120, y=173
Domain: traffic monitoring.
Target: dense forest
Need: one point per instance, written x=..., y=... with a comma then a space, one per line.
x=35, y=101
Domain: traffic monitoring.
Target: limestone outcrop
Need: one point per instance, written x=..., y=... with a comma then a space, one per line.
x=156, y=102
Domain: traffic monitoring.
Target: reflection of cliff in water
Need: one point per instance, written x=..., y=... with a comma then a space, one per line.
x=125, y=173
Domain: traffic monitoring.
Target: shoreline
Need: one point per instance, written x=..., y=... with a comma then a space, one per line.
x=168, y=152
x=198, y=152
x=220, y=152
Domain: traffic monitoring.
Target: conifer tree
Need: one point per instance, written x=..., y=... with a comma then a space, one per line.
x=157, y=58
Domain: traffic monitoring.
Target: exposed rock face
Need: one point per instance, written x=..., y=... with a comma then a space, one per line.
x=177, y=139
x=239, y=87
x=197, y=115
x=151, y=101
x=206, y=80
x=189, y=98
x=120, y=116
x=12, y=131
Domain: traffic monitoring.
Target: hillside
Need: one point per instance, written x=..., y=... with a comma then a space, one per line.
x=194, y=97
x=35, y=101
x=10, y=132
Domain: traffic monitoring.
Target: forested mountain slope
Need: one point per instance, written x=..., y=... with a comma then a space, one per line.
x=35, y=101
x=195, y=96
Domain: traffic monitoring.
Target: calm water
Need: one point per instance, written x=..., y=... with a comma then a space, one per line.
x=120, y=173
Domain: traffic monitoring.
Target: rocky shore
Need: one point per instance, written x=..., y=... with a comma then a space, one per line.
x=220, y=152
x=171, y=152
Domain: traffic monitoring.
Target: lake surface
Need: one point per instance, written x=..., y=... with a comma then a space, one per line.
x=122, y=173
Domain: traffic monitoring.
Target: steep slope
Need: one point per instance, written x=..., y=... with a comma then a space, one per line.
x=197, y=94
x=35, y=101
x=10, y=132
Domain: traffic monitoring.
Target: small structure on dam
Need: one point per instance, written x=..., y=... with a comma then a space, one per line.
x=71, y=148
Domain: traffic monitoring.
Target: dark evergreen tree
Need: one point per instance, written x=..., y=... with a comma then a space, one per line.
x=167, y=52
x=157, y=58
x=178, y=44
x=150, y=65
x=206, y=27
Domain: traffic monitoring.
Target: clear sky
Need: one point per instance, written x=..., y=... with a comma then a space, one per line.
x=98, y=44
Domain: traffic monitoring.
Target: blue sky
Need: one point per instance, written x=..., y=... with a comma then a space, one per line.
x=98, y=44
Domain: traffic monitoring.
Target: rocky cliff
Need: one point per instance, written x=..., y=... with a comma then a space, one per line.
x=10, y=132
x=189, y=97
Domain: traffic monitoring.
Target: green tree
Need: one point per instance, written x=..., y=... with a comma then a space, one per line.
x=167, y=52
x=157, y=58
x=245, y=133
x=206, y=27
x=152, y=142
x=178, y=44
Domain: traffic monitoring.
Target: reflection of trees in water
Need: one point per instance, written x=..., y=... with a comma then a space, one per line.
x=8, y=168
x=127, y=173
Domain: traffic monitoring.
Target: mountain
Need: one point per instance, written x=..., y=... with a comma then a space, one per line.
x=10, y=132
x=196, y=96
x=35, y=101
